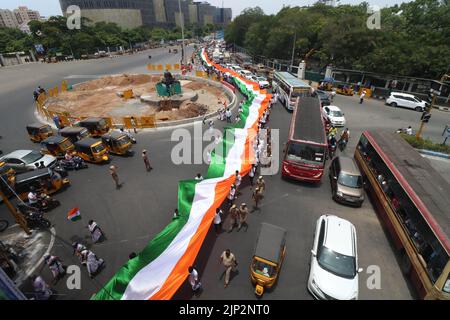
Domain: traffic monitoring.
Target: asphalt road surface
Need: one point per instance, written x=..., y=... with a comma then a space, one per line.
x=144, y=205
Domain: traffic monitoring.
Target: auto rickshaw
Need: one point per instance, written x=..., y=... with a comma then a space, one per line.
x=345, y=90
x=91, y=150
x=117, y=143
x=57, y=146
x=268, y=257
x=38, y=131
x=96, y=126
x=45, y=180
x=74, y=133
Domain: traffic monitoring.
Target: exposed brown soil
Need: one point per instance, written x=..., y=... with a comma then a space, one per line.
x=100, y=97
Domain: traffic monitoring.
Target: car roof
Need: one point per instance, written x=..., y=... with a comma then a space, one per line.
x=403, y=94
x=339, y=235
x=18, y=154
x=348, y=165
x=334, y=108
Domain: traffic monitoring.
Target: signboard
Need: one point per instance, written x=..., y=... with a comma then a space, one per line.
x=39, y=48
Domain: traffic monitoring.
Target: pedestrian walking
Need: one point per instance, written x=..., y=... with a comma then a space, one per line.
x=133, y=124
x=362, y=96
x=113, y=172
x=194, y=280
x=41, y=289
x=232, y=194
x=211, y=125
x=55, y=265
x=243, y=214
x=148, y=166
x=261, y=184
x=229, y=262
x=198, y=177
x=228, y=114
x=251, y=174
x=237, y=181
x=218, y=220
x=93, y=264
x=95, y=230
x=257, y=197
x=176, y=214
x=234, y=216
x=132, y=255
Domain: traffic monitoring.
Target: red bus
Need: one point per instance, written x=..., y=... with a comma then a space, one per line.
x=306, y=149
x=411, y=199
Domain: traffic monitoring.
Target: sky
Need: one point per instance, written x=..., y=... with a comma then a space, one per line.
x=51, y=7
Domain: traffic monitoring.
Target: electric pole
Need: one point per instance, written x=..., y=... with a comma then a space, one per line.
x=182, y=32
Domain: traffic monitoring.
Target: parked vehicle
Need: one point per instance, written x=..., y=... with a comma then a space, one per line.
x=96, y=126
x=57, y=146
x=263, y=83
x=347, y=184
x=268, y=257
x=334, y=260
x=344, y=89
x=34, y=217
x=26, y=160
x=74, y=133
x=246, y=74
x=335, y=115
x=75, y=164
x=117, y=143
x=39, y=132
x=398, y=99
x=91, y=150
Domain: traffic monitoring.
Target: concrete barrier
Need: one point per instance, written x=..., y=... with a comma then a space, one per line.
x=434, y=153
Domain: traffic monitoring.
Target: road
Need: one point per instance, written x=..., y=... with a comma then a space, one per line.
x=134, y=214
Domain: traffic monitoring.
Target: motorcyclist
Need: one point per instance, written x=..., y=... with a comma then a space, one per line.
x=68, y=156
x=332, y=145
x=345, y=136
x=32, y=197
x=133, y=139
x=332, y=131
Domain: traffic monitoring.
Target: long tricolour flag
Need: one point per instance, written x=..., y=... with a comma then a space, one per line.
x=162, y=267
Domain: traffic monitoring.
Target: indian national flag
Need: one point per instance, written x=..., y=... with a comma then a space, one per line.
x=74, y=214
x=162, y=266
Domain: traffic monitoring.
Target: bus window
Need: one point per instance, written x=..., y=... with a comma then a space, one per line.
x=300, y=152
x=447, y=285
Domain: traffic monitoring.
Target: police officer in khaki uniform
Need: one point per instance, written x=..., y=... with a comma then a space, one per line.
x=243, y=214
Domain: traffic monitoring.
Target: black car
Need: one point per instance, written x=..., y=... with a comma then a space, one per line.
x=324, y=97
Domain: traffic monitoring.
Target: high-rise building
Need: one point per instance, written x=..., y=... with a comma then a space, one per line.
x=8, y=19
x=23, y=14
x=134, y=13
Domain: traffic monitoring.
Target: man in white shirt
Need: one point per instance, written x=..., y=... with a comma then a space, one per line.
x=361, y=97
x=194, y=279
x=218, y=220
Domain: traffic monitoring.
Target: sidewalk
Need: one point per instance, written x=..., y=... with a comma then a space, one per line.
x=29, y=251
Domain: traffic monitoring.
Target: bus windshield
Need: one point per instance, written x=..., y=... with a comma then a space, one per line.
x=306, y=153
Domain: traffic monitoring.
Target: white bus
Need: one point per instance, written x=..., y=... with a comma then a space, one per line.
x=289, y=87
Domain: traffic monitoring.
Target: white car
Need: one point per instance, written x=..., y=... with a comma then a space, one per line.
x=263, y=83
x=335, y=115
x=334, y=268
x=398, y=99
x=246, y=74
x=26, y=160
x=236, y=68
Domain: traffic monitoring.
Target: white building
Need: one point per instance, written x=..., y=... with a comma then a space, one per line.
x=8, y=19
x=24, y=14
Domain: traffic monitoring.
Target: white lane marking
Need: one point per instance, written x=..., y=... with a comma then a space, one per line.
x=47, y=252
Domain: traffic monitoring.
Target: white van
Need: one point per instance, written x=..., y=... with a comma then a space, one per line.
x=398, y=99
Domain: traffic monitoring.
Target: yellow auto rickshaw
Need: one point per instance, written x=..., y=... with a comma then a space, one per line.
x=45, y=180
x=96, y=126
x=74, y=133
x=38, y=131
x=91, y=150
x=117, y=143
x=268, y=257
x=345, y=90
x=57, y=146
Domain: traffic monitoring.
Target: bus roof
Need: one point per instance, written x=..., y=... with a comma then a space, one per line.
x=425, y=186
x=307, y=123
x=290, y=79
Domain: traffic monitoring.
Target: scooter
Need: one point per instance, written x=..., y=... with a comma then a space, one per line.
x=75, y=164
x=34, y=217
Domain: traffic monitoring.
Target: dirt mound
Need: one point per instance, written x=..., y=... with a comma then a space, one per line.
x=116, y=81
x=192, y=110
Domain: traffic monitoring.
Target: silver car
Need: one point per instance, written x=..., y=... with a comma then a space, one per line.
x=26, y=160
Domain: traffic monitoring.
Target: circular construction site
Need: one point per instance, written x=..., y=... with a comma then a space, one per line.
x=136, y=95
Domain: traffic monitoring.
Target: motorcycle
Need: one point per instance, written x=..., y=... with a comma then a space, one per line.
x=45, y=203
x=58, y=168
x=342, y=144
x=34, y=217
x=75, y=164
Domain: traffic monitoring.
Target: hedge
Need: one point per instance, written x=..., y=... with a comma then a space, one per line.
x=425, y=144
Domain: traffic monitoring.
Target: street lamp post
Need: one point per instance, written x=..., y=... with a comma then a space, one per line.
x=182, y=32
